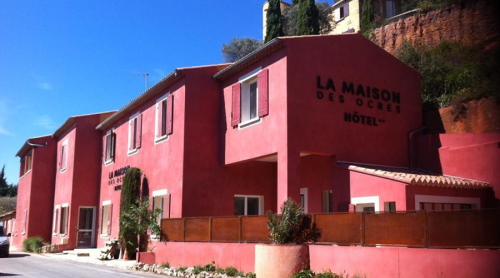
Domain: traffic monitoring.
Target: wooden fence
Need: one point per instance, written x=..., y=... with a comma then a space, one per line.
x=432, y=229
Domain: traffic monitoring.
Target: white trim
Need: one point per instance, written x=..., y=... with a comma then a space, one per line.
x=65, y=205
x=106, y=203
x=92, y=230
x=248, y=123
x=250, y=75
x=165, y=137
x=367, y=200
x=445, y=200
x=161, y=192
x=261, y=202
x=57, y=207
x=64, y=156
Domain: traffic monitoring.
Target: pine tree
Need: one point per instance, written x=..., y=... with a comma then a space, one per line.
x=274, y=21
x=129, y=199
x=308, y=23
x=367, y=17
x=4, y=187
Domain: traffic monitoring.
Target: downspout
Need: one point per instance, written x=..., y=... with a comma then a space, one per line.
x=410, y=146
x=36, y=145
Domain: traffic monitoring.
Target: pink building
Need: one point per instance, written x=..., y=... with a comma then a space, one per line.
x=35, y=190
x=329, y=121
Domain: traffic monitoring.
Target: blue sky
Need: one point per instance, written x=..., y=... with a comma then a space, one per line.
x=63, y=58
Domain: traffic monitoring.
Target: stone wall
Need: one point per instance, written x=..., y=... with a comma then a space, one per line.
x=474, y=22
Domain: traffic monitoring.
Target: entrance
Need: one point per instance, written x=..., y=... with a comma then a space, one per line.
x=86, y=227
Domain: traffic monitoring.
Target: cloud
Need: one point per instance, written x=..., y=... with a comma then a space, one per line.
x=44, y=86
x=46, y=122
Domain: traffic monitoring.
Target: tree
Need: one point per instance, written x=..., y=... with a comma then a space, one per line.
x=129, y=200
x=308, y=20
x=291, y=14
x=274, y=21
x=239, y=48
x=6, y=189
x=367, y=17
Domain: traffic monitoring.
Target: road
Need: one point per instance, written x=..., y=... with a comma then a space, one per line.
x=36, y=266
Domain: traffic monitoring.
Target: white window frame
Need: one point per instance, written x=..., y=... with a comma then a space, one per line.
x=112, y=159
x=64, y=156
x=326, y=202
x=261, y=203
x=108, y=205
x=305, y=192
x=246, y=80
x=132, y=136
x=25, y=221
x=367, y=200
x=445, y=200
x=159, y=102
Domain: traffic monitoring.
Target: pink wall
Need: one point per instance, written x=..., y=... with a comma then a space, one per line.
x=405, y=262
x=473, y=156
x=241, y=256
x=35, y=193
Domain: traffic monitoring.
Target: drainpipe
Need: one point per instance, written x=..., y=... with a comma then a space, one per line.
x=410, y=146
x=36, y=145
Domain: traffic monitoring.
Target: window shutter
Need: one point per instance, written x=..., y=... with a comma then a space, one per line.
x=131, y=135
x=346, y=9
x=235, y=112
x=138, y=132
x=166, y=206
x=104, y=148
x=263, y=92
x=113, y=142
x=64, y=156
x=109, y=218
x=158, y=118
x=170, y=114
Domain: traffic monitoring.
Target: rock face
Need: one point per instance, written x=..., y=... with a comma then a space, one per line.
x=481, y=116
x=474, y=22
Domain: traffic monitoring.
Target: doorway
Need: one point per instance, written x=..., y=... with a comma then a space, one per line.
x=86, y=227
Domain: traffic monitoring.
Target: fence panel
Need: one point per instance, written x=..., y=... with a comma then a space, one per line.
x=254, y=229
x=395, y=228
x=197, y=229
x=339, y=228
x=173, y=228
x=226, y=229
x=467, y=228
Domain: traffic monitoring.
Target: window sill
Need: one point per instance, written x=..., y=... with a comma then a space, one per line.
x=104, y=236
x=132, y=152
x=55, y=235
x=248, y=123
x=62, y=170
x=108, y=162
x=161, y=139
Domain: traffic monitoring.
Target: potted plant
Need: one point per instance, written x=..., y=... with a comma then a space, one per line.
x=288, y=232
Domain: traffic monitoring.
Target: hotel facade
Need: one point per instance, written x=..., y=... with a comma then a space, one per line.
x=333, y=122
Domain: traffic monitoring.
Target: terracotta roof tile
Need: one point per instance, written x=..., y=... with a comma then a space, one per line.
x=417, y=178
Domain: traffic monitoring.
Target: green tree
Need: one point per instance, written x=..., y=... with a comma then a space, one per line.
x=129, y=200
x=274, y=21
x=6, y=189
x=239, y=48
x=367, y=17
x=290, y=18
x=308, y=20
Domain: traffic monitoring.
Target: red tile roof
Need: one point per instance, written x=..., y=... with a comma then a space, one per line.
x=422, y=179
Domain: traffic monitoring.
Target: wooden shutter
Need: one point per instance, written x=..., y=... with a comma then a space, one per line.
x=263, y=92
x=109, y=218
x=131, y=135
x=104, y=146
x=138, y=131
x=235, y=112
x=113, y=144
x=346, y=9
x=170, y=114
x=159, y=119
x=64, y=156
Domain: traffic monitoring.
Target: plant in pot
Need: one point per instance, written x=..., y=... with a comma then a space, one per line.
x=288, y=231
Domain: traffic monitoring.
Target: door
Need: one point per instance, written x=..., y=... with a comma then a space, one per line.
x=86, y=227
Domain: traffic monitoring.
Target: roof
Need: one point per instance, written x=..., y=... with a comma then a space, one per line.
x=152, y=91
x=419, y=178
x=71, y=120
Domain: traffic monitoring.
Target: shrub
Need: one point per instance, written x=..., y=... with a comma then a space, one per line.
x=231, y=271
x=304, y=273
x=209, y=267
x=250, y=275
x=165, y=265
x=33, y=244
x=197, y=270
x=292, y=226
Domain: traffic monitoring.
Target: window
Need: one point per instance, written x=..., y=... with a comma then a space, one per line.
x=445, y=206
x=106, y=218
x=250, y=98
x=248, y=205
x=390, y=206
x=109, y=147
x=164, y=117
x=55, y=220
x=161, y=201
x=63, y=227
x=25, y=221
x=341, y=12
x=63, y=157
x=390, y=8
x=26, y=164
x=134, y=133
x=326, y=201
x=304, y=200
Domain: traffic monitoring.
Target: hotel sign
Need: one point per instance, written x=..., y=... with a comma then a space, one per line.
x=364, y=96
x=116, y=177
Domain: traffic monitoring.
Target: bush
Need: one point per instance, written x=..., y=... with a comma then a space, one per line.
x=304, y=273
x=33, y=244
x=292, y=226
x=231, y=271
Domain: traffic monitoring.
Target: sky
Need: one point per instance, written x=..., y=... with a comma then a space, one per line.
x=64, y=58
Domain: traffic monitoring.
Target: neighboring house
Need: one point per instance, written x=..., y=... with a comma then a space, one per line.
x=77, y=175
x=8, y=220
x=347, y=13
x=35, y=190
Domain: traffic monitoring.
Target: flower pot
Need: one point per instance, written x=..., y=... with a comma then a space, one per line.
x=280, y=261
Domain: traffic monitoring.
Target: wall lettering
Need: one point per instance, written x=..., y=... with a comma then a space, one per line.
x=116, y=176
